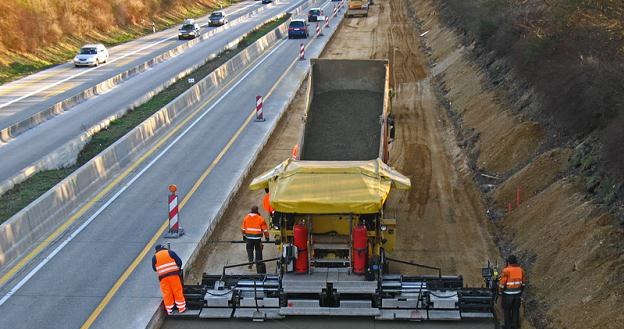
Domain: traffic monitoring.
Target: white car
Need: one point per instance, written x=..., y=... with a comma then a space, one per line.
x=91, y=55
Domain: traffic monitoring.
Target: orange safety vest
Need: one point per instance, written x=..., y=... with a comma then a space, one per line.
x=266, y=204
x=254, y=226
x=512, y=280
x=165, y=264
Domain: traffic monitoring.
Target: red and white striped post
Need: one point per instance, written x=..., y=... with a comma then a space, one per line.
x=335, y=10
x=259, y=112
x=327, y=18
x=302, y=52
x=175, y=229
x=295, y=151
x=318, y=30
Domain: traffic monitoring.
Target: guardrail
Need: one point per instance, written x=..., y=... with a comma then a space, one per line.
x=66, y=154
x=18, y=128
x=32, y=224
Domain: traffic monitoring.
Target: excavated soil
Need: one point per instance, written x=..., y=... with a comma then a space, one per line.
x=355, y=130
x=572, y=250
x=441, y=221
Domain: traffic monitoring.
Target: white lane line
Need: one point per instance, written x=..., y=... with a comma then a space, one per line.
x=95, y=67
x=126, y=186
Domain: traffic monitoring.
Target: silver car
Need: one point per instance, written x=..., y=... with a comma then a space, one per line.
x=91, y=55
x=189, y=30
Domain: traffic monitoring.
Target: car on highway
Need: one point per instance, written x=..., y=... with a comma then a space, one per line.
x=298, y=28
x=314, y=14
x=91, y=55
x=266, y=1
x=189, y=30
x=217, y=18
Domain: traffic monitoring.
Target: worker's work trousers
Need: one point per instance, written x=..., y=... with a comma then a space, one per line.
x=173, y=294
x=254, y=244
x=511, y=310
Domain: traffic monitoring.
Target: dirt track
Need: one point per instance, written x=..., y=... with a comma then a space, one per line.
x=441, y=220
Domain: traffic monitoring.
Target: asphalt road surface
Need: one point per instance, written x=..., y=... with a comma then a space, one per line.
x=42, y=140
x=22, y=98
x=69, y=284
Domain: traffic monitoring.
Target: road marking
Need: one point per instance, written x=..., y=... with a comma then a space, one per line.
x=54, y=235
x=135, y=263
x=95, y=67
x=81, y=212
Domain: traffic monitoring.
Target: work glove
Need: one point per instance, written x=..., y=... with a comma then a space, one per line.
x=266, y=239
x=244, y=238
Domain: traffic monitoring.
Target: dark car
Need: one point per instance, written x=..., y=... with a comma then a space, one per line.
x=314, y=14
x=298, y=28
x=189, y=30
x=217, y=18
x=266, y=1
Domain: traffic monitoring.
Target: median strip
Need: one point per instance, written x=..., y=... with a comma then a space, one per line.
x=29, y=190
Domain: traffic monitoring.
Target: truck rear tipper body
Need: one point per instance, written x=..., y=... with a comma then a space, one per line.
x=357, y=8
x=329, y=224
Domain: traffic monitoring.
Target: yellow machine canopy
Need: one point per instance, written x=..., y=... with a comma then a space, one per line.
x=330, y=187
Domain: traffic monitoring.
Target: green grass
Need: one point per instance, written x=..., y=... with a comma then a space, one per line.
x=24, y=193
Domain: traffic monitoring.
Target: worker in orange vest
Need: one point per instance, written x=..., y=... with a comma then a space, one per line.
x=266, y=203
x=168, y=265
x=253, y=227
x=510, y=284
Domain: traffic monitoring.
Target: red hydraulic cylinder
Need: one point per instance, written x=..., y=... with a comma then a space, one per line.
x=300, y=233
x=360, y=249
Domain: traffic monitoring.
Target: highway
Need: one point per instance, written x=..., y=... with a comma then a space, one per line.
x=98, y=275
x=42, y=141
x=27, y=96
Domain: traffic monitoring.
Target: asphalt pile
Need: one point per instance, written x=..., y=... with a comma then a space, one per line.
x=343, y=126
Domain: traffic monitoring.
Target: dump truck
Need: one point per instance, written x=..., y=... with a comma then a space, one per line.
x=357, y=8
x=330, y=226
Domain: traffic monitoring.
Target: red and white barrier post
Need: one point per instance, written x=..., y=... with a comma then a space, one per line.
x=259, y=112
x=318, y=30
x=335, y=10
x=302, y=52
x=175, y=229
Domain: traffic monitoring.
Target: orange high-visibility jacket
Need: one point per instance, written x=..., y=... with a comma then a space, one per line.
x=512, y=280
x=266, y=203
x=254, y=226
x=165, y=264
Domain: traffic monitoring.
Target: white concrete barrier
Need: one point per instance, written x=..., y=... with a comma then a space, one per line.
x=30, y=226
x=18, y=128
x=66, y=154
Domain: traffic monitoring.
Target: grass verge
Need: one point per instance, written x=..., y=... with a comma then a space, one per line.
x=29, y=190
x=19, y=65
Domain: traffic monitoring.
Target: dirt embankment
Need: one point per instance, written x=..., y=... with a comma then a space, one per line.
x=572, y=247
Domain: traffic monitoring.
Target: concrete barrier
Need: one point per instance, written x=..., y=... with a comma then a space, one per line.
x=66, y=154
x=16, y=129
x=159, y=315
x=33, y=224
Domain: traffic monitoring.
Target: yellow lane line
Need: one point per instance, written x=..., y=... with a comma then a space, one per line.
x=54, y=235
x=135, y=263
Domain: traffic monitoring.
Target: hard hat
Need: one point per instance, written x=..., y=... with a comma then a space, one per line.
x=512, y=259
x=159, y=247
